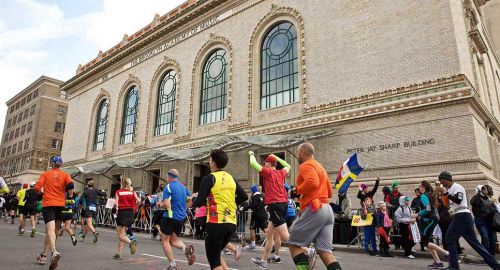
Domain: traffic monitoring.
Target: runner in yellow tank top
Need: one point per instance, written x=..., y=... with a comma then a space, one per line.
x=221, y=193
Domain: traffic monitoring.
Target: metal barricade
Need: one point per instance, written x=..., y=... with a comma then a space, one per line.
x=143, y=218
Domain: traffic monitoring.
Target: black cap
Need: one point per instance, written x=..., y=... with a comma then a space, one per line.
x=445, y=176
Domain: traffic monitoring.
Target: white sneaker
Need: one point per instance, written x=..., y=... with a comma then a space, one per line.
x=311, y=256
x=410, y=257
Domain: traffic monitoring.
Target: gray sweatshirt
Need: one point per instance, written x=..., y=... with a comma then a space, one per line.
x=403, y=213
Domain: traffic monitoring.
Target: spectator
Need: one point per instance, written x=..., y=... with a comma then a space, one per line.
x=403, y=217
x=443, y=208
x=415, y=204
x=258, y=218
x=365, y=191
x=384, y=224
x=482, y=208
x=200, y=221
x=369, y=230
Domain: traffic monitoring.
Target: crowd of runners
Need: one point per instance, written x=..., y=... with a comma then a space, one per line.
x=308, y=228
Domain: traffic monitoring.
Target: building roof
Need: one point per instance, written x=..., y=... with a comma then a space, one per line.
x=133, y=42
x=34, y=84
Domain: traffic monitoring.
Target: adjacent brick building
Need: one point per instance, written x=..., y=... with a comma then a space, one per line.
x=33, y=130
x=411, y=86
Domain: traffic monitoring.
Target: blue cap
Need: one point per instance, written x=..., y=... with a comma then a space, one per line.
x=254, y=188
x=56, y=159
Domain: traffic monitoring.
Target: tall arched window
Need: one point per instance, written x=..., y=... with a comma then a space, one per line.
x=100, y=125
x=214, y=88
x=279, y=70
x=129, y=115
x=165, y=108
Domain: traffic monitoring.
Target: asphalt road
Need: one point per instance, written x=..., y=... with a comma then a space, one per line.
x=19, y=253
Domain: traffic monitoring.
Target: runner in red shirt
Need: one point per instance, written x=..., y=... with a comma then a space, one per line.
x=54, y=184
x=126, y=203
x=276, y=200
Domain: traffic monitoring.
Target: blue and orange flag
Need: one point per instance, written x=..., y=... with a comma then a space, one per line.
x=348, y=172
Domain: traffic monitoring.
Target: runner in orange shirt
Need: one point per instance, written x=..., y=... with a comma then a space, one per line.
x=54, y=184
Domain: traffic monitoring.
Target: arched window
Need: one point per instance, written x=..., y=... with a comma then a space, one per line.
x=279, y=70
x=214, y=88
x=165, y=108
x=129, y=115
x=100, y=125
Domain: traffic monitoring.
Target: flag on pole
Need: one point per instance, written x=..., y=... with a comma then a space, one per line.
x=348, y=172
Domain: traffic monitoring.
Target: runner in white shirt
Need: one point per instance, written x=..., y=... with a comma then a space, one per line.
x=462, y=224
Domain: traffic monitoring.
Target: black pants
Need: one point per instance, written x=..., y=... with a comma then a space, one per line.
x=218, y=235
x=406, y=242
x=444, y=228
x=462, y=225
x=200, y=224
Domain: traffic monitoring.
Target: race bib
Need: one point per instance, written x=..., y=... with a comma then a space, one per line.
x=92, y=208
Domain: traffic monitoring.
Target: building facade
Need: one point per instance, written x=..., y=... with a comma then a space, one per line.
x=412, y=87
x=33, y=130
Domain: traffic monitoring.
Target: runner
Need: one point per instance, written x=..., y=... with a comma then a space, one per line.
x=221, y=194
x=31, y=199
x=2, y=209
x=276, y=200
x=175, y=195
x=20, y=207
x=55, y=183
x=81, y=206
x=462, y=224
x=315, y=221
x=90, y=196
x=13, y=201
x=157, y=210
x=67, y=217
x=258, y=218
x=126, y=204
x=3, y=186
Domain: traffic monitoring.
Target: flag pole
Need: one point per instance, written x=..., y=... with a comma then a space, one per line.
x=368, y=166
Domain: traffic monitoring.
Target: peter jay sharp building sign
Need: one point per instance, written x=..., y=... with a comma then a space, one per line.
x=392, y=146
x=185, y=35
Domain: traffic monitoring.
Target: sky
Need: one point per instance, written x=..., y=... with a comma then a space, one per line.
x=51, y=37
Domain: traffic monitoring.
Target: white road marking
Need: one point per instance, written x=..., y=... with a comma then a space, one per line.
x=164, y=258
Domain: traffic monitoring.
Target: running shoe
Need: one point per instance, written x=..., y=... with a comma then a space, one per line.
x=410, y=257
x=190, y=254
x=257, y=261
x=311, y=257
x=56, y=256
x=82, y=236
x=237, y=254
x=250, y=247
x=226, y=251
x=117, y=257
x=96, y=237
x=21, y=232
x=274, y=260
x=436, y=265
x=61, y=231
x=42, y=259
x=33, y=232
x=133, y=247
x=172, y=267
x=73, y=240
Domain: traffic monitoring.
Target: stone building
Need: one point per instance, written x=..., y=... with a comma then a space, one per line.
x=413, y=87
x=33, y=130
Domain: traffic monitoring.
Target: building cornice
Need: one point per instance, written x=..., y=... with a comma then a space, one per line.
x=42, y=80
x=157, y=30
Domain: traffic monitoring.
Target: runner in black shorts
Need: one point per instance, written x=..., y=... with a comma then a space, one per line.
x=66, y=218
x=276, y=200
x=126, y=203
x=90, y=195
x=175, y=195
x=222, y=194
x=258, y=218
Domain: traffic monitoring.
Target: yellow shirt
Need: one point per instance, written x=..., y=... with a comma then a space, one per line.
x=20, y=194
x=221, y=201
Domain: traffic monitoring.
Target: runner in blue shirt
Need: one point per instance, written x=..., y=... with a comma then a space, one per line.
x=175, y=196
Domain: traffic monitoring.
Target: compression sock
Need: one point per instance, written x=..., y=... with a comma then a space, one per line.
x=334, y=266
x=301, y=262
